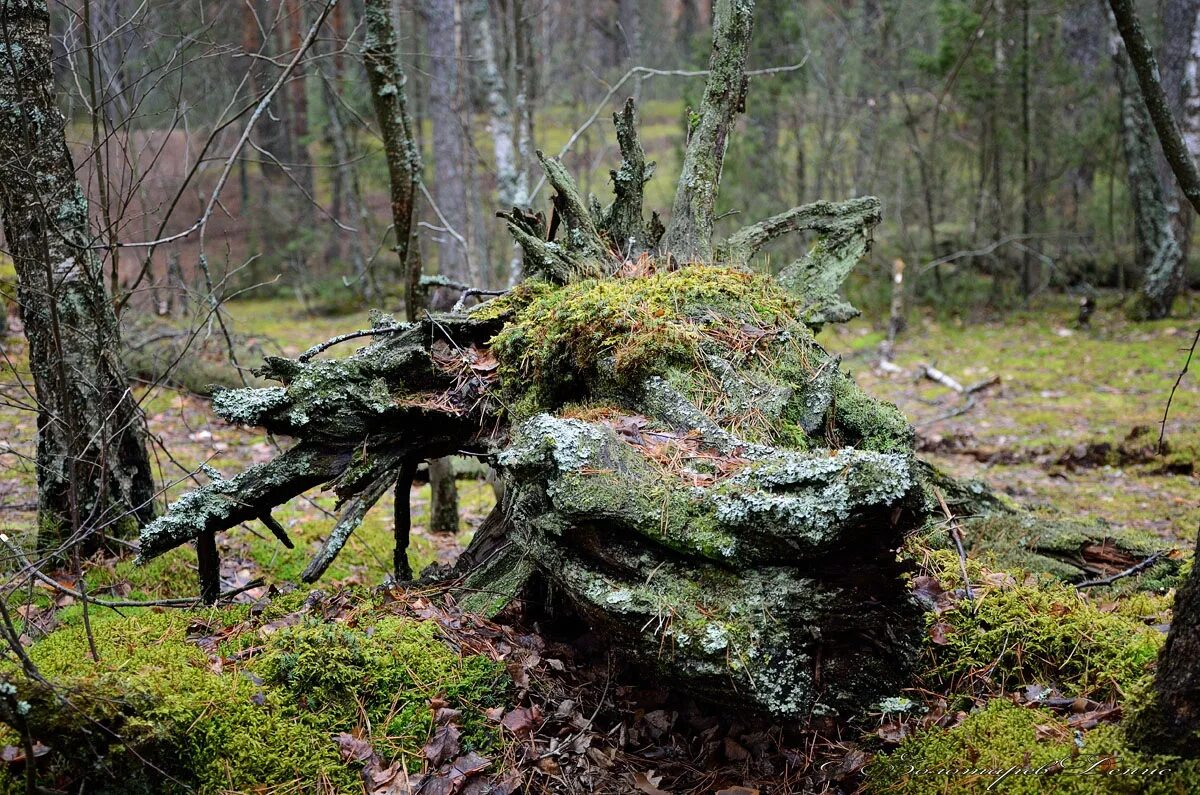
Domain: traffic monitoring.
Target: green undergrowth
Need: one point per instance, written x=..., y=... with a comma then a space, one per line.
x=1022, y=629
x=172, y=707
x=1019, y=630
x=1006, y=748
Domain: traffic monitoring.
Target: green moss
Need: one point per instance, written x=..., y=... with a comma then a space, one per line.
x=1056, y=546
x=868, y=423
x=561, y=338
x=1034, y=631
x=271, y=723
x=1011, y=749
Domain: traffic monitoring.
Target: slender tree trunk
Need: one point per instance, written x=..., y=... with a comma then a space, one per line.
x=510, y=147
x=301, y=163
x=449, y=151
x=389, y=95
x=1181, y=82
x=1158, y=254
x=1028, y=274
x=94, y=476
x=450, y=189
x=689, y=235
x=275, y=135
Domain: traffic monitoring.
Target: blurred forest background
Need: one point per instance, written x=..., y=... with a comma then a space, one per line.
x=991, y=130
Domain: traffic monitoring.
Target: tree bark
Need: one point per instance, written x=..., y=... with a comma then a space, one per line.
x=1181, y=83
x=94, y=476
x=389, y=97
x=450, y=189
x=509, y=145
x=689, y=234
x=1141, y=56
x=1158, y=253
x=1169, y=722
x=448, y=145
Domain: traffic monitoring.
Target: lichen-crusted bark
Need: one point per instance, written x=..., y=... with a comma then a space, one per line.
x=733, y=567
x=845, y=229
x=726, y=504
x=689, y=234
x=388, y=82
x=94, y=476
x=1158, y=252
x=625, y=223
x=410, y=394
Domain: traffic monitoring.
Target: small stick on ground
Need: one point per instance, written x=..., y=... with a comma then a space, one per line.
x=1162, y=428
x=1129, y=572
x=956, y=534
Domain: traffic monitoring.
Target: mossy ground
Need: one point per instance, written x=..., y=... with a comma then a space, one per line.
x=169, y=685
x=1058, y=391
x=1060, y=387
x=979, y=721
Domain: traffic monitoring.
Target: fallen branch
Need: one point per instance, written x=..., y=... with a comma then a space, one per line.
x=1129, y=572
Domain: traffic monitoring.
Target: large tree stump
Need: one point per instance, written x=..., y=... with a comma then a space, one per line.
x=682, y=460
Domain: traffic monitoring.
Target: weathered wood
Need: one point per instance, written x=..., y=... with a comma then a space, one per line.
x=688, y=237
x=388, y=83
x=625, y=224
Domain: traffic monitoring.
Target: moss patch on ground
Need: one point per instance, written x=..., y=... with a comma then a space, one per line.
x=1021, y=629
x=1013, y=749
x=163, y=710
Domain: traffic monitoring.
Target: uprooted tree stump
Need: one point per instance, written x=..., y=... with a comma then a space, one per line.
x=682, y=461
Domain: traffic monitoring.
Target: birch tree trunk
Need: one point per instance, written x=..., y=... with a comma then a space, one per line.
x=510, y=148
x=1181, y=81
x=94, y=476
x=1157, y=250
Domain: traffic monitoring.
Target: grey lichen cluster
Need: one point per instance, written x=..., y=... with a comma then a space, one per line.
x=772, y=583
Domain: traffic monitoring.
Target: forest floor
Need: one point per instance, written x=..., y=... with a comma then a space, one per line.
x=1063, y=430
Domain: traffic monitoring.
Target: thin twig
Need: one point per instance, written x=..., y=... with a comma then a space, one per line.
x=956, y=535
x=366, y=332
x=1162, y=428
x=1134, y=569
